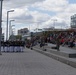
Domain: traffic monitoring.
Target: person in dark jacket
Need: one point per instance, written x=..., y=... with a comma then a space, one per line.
x=58, y=38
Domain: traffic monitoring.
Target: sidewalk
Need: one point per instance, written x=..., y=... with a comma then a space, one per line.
x=65, y=55
x=32, y=63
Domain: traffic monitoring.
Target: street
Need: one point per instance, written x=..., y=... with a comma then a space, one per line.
x=32, y=63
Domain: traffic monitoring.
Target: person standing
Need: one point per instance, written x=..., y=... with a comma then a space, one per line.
x=58, y=39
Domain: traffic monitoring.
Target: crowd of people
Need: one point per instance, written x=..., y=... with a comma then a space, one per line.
x=12, y=46
x=65, y=38
x=60, y=38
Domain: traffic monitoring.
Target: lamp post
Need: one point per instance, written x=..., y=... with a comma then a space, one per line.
x=7, y=23
x=12, y=33
x=37, y=29
x=54, y=20
x=10, y=27
x=13, y=30
x=0, y=23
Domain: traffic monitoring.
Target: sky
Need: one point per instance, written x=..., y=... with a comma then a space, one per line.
x=72, y=1
x=34, y=14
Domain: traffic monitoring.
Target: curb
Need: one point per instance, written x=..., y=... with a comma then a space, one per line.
x=62, y=59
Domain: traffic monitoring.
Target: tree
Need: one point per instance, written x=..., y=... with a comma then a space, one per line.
x=18, y=37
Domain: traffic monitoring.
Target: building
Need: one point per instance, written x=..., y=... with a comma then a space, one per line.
x=23, y=31
x=73, y=21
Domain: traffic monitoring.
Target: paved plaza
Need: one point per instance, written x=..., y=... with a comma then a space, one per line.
x=65, y=55
x=32, y=63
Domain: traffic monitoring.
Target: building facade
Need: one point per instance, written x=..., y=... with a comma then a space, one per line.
x=73, y=21
x=23, y=31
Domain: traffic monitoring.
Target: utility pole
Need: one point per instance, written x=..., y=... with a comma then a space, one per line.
x=0, y=23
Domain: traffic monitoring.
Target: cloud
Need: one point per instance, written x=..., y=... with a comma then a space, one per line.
x=62, y=9
x=19, y=3
x=22, y=14
x=52, y=22
x=27, y=15
x=52, y=5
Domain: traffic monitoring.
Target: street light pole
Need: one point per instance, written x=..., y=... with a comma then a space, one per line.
x=13, y=30
x=7, y=23
x=0, y=23
x=54, y=20
x=10, y=27
x=37, y=26
x=12, y=34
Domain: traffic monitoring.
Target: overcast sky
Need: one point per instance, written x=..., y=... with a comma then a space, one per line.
x=39, y=13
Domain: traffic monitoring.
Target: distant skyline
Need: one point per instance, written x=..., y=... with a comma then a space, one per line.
x=28, y=12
